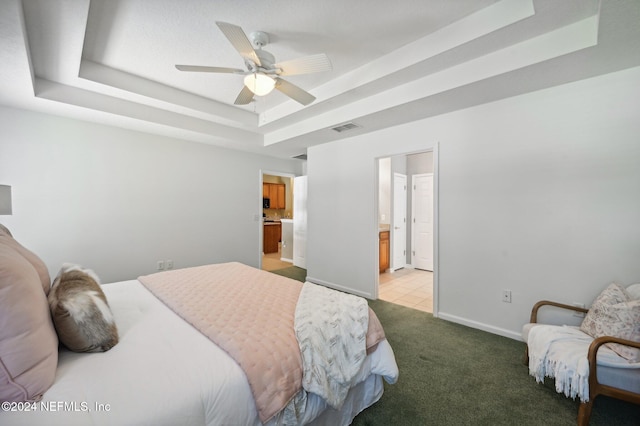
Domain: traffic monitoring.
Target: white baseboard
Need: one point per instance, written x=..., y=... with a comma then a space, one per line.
x=339, y=287
x=402, y=267
x=480, y=326
x=284, y=259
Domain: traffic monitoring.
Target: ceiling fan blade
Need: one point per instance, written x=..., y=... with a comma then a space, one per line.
x=239, y=40
x=198, y=68
x=294, y=92
x=244, y=97
x=306, y=65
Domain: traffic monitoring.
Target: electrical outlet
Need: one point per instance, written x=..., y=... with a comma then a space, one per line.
x=160, y=265
x=506, y=296
x=169, y=264
x=576, y=313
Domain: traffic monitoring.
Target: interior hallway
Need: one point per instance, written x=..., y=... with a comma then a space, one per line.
x=412, y=288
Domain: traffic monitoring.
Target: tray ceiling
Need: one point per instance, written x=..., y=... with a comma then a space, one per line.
x=112, y=61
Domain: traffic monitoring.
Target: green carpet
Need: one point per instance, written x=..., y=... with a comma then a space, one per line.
x=294, y=272
x=455, y=375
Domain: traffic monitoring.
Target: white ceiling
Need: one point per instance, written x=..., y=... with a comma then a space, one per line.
x=112, y=61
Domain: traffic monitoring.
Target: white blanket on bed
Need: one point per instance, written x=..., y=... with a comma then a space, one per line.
x=323, y=315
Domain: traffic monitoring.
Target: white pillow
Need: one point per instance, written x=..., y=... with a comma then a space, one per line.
x=634, y=291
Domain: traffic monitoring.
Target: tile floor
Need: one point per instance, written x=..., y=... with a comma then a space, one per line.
x=412, y=288
x=271, y=261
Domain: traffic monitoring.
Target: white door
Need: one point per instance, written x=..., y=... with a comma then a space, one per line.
x=399, y=231
x=300, y=221
x=422, y=223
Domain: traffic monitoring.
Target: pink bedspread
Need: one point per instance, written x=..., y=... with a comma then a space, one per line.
x=250, y=314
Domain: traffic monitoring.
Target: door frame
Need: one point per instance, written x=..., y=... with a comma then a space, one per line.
x=394, y=234
x=436, y=220
x=305, y=214
x=258, y=216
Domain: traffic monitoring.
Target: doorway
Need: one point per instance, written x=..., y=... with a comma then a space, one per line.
x=412, y=284
x=276, y=230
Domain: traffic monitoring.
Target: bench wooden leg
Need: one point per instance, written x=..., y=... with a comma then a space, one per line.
x=584, y=413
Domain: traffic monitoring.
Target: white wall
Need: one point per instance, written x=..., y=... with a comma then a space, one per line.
x=117, y=201
x=539, y=194
x=420, y=163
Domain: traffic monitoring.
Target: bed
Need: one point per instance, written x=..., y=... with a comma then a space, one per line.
x=165, y=371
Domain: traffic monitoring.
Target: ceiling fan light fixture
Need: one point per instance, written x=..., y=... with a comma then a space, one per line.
x=263, y=73
x=260, y=84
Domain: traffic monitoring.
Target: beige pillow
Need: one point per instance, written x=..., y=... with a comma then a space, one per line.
x=81, y=314
x=38, y=264
x=615, y=313
x=28, y=341
x=4, y=230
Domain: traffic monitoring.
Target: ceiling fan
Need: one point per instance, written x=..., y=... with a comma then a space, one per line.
x=263, y=74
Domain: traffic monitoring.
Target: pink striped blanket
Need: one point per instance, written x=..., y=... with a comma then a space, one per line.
x=250, y=314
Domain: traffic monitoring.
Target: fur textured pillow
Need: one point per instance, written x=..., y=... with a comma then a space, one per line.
x=80, y=311
x=615, y=313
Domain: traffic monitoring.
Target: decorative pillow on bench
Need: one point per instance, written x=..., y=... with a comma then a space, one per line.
x=615, y=313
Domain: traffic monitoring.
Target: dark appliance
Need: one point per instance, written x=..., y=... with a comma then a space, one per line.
x=266, y=203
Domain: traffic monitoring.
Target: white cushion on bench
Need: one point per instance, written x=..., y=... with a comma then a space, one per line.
x=613, y=370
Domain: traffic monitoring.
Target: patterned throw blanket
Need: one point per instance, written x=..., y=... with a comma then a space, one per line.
x=250, y=314
x=331, y=328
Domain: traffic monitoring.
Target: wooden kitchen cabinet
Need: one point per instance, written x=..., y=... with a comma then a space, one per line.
x=384, y=251
x=280, y=196
x=271, y=237
x=276, y=193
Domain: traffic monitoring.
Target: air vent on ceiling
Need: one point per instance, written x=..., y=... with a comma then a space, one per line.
x=301, y=157
x=344, y=127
